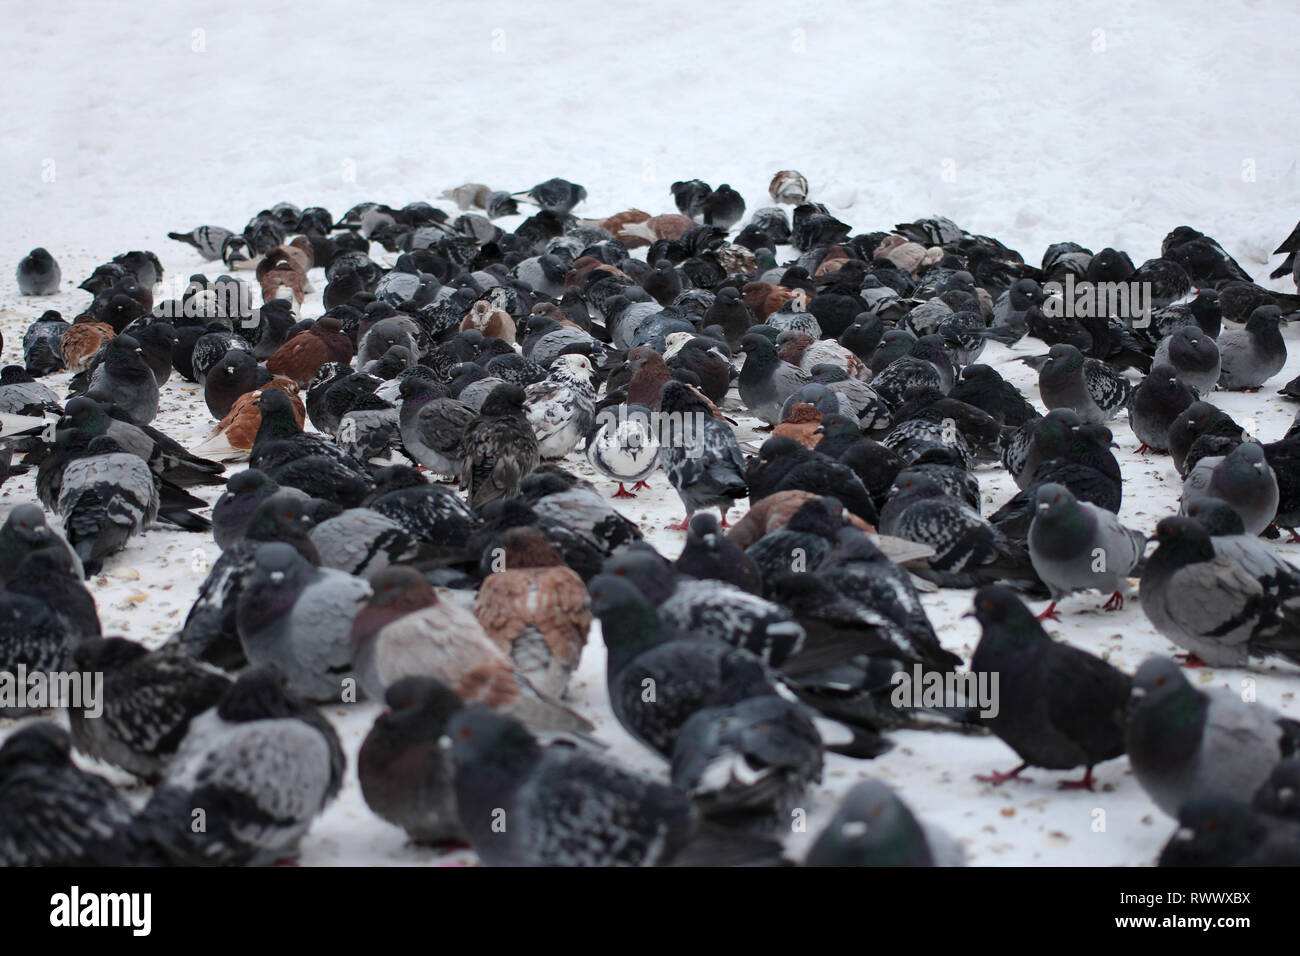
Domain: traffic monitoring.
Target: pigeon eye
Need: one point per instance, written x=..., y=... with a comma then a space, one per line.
x=465, y=733
x=1160, y=682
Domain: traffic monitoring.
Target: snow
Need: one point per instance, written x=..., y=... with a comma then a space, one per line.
x=1107, y=124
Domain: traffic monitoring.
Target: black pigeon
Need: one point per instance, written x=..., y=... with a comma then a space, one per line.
x=499, y=447
x=38, y=273
x=1059, y=707
x=699, y=454
x=1156, y=404
x=708, y=553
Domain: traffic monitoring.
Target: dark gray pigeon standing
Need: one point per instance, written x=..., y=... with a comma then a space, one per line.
x=299, y=618
x=261, y=765
x=499, y=448
x=1183, y=741
x=698, y=454
x=105, y=498
x=1089, y=386
x=1253, y=355
x=1157, y=402
x=1193, y=356
x=38, y=273
x=24, y=531
x=406, y=775
x=1059, y=707
x=1217, y=608
x=1077, y=546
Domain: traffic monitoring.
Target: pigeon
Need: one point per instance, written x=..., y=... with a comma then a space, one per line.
x=749, y=764
x=43, y=344
x=1243, y=479
x=561, y=408
x=657, y=681
x=767, y=380
x=125, y=381
x=1253, y=355
x=1077, y=546
x=406, y=776
x=54, y=814
x=1157, y=402
x=38, y=273
x=554, y=196
x=535, y=610
x=433, y=514
x=1059, y=707
x=708, y=553
x=699, y=454
x=1207, y=429
x=104, y=499
x=432, y=426
x=363, y=542
x=1193, y=356
x=1219, y=831
x=982, y=387
x=623, y=445
x=148, y=702
x=1182, y=741
x=54, y=576
x=244, y=494
x=499, y=448
x=261, y=765
x=1090, y=387
x=407, y=630
x=873, y=827
x=24, y=532
x=710, y=609
x=299, y=618
x=176, y=467
x=208, y=240
x=236, y=374
x=1219, y=609
x=565, y=806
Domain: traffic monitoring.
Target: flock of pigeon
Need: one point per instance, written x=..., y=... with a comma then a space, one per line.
x=410, y=529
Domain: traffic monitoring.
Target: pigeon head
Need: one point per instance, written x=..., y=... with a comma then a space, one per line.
x=280, y=564
x=45, y=562
x=872, y=827
x=1163, y=375
x=1165, y=706
x=1213, y=830
x=27, y=522
x=425, y=699
x=106, y=653
x=824, y=373
x=42, y=744
x=281, y=518
x=823, y=517
x=1007, y=624
x=1063, y=358
x=103, y=445
x=703, y=529
x=252, y=482
x=1264, y=318
x=504, y=401
x=397, y=477
x=489, y=747
x=278, y=419
x=628, y=620
x=528, y=547
x=645, y=570
x=259, y=693
x=778, y=447
x=1215, y=515
x=1280, y=794
x=401, y=588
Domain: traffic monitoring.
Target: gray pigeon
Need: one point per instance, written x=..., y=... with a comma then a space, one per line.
x=299, y=618
x=766, y=379
x=1243, y=479
x=362, y=542
x=1193, y=355
x=1089, y=386
x=38, y=273
x=208, y=240
x=1183, y=741
x=1075, y=546
x=432, y=426
x=261, y=765
x=1157, y=402
x=105, y=498
x=1219, y=609
x=873, y=827
x=1253, y=355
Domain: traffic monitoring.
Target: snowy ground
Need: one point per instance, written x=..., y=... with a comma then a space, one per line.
x=1108, y=125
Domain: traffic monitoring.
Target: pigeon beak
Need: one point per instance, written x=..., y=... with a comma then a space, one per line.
x=277, y=577
x=1259, y=466
x=1185, y=834
x=969, y=614
x=1042, y=507
x=444, y=742
x=1138, y=692
x=1286, y=794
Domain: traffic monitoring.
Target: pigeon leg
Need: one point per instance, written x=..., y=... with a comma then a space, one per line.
x=1115, y=603
x=642, y=484
x=723, y=523
x=1190, y=660
x=1295, y=538
x=1085, y=784
x=622, y=492
x=1143, y=448
x=998, y=779
x=681, y=525
x=1051, y=614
